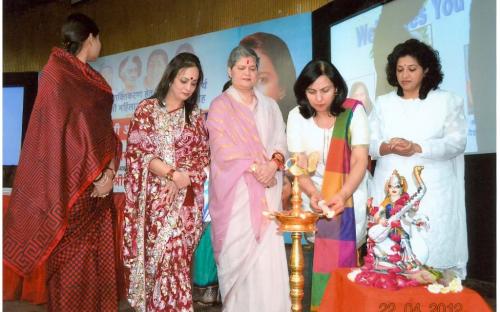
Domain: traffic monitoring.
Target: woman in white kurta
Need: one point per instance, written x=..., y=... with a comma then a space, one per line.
x=248, y=146
x=327, y=122
x=421, y=125
x=305, y=136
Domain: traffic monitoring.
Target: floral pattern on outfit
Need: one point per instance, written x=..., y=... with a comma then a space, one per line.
x=160, y=239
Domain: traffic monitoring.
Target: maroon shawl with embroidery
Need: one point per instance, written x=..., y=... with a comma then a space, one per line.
x=69, y=141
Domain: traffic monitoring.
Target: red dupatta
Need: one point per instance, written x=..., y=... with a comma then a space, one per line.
x=69, y=141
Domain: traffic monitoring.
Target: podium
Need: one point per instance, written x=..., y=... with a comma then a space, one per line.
x=343, y=295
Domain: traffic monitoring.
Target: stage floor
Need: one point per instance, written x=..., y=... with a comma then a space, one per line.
x=486, y=289
x=483, y=288
x=22, y=306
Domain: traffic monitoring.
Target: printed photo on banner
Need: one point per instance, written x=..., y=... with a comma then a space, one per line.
x=283, y=46
x=369, y=37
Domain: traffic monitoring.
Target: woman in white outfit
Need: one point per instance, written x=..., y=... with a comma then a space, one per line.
x=420, y=124
x=248, y=148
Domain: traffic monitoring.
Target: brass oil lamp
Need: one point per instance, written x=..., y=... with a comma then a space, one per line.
x=297, y=221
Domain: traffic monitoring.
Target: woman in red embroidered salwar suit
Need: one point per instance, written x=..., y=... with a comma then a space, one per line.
x=60, y=211
x=167, y=151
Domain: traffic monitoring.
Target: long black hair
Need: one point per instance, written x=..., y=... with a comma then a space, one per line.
x=426, y=57
x=76, y=30
x=181, y=60
x=312, y=71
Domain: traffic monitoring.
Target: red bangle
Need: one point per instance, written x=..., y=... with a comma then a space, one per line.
x=278, y=164
x=278, y=156
x=279, y=160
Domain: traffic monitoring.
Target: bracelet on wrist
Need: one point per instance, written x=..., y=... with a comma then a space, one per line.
x=278, y=164
x=103, y=180
x=113, y=172
x=170, y=174
x=279, y=160
x=99, y=177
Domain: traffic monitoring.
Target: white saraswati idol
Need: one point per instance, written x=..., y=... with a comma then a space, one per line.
x=396, y=252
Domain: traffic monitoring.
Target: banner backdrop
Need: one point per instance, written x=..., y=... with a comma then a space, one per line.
x=284, y=46
x=369, y=37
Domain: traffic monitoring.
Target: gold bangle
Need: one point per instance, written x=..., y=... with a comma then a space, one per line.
x=253, y=167
x=170, y=174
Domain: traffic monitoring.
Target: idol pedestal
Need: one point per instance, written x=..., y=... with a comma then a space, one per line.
x=343, y=295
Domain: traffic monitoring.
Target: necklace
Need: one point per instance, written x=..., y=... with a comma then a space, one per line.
x=173, y=110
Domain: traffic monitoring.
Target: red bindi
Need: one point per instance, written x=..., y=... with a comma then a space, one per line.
x=248, y=62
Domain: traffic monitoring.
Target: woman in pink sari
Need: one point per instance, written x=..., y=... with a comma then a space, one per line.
x=248, y=144
x=167, y=149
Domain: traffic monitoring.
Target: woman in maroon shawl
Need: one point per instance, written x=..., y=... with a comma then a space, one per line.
x=60, y=210
x=167, y=151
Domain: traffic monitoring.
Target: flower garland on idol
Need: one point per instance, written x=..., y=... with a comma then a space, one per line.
x=396, y=254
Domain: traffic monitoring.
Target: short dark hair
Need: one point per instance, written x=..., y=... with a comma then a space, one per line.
x=180, y=61
x=75, y=30
x=426, y=57
x=312, y=71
